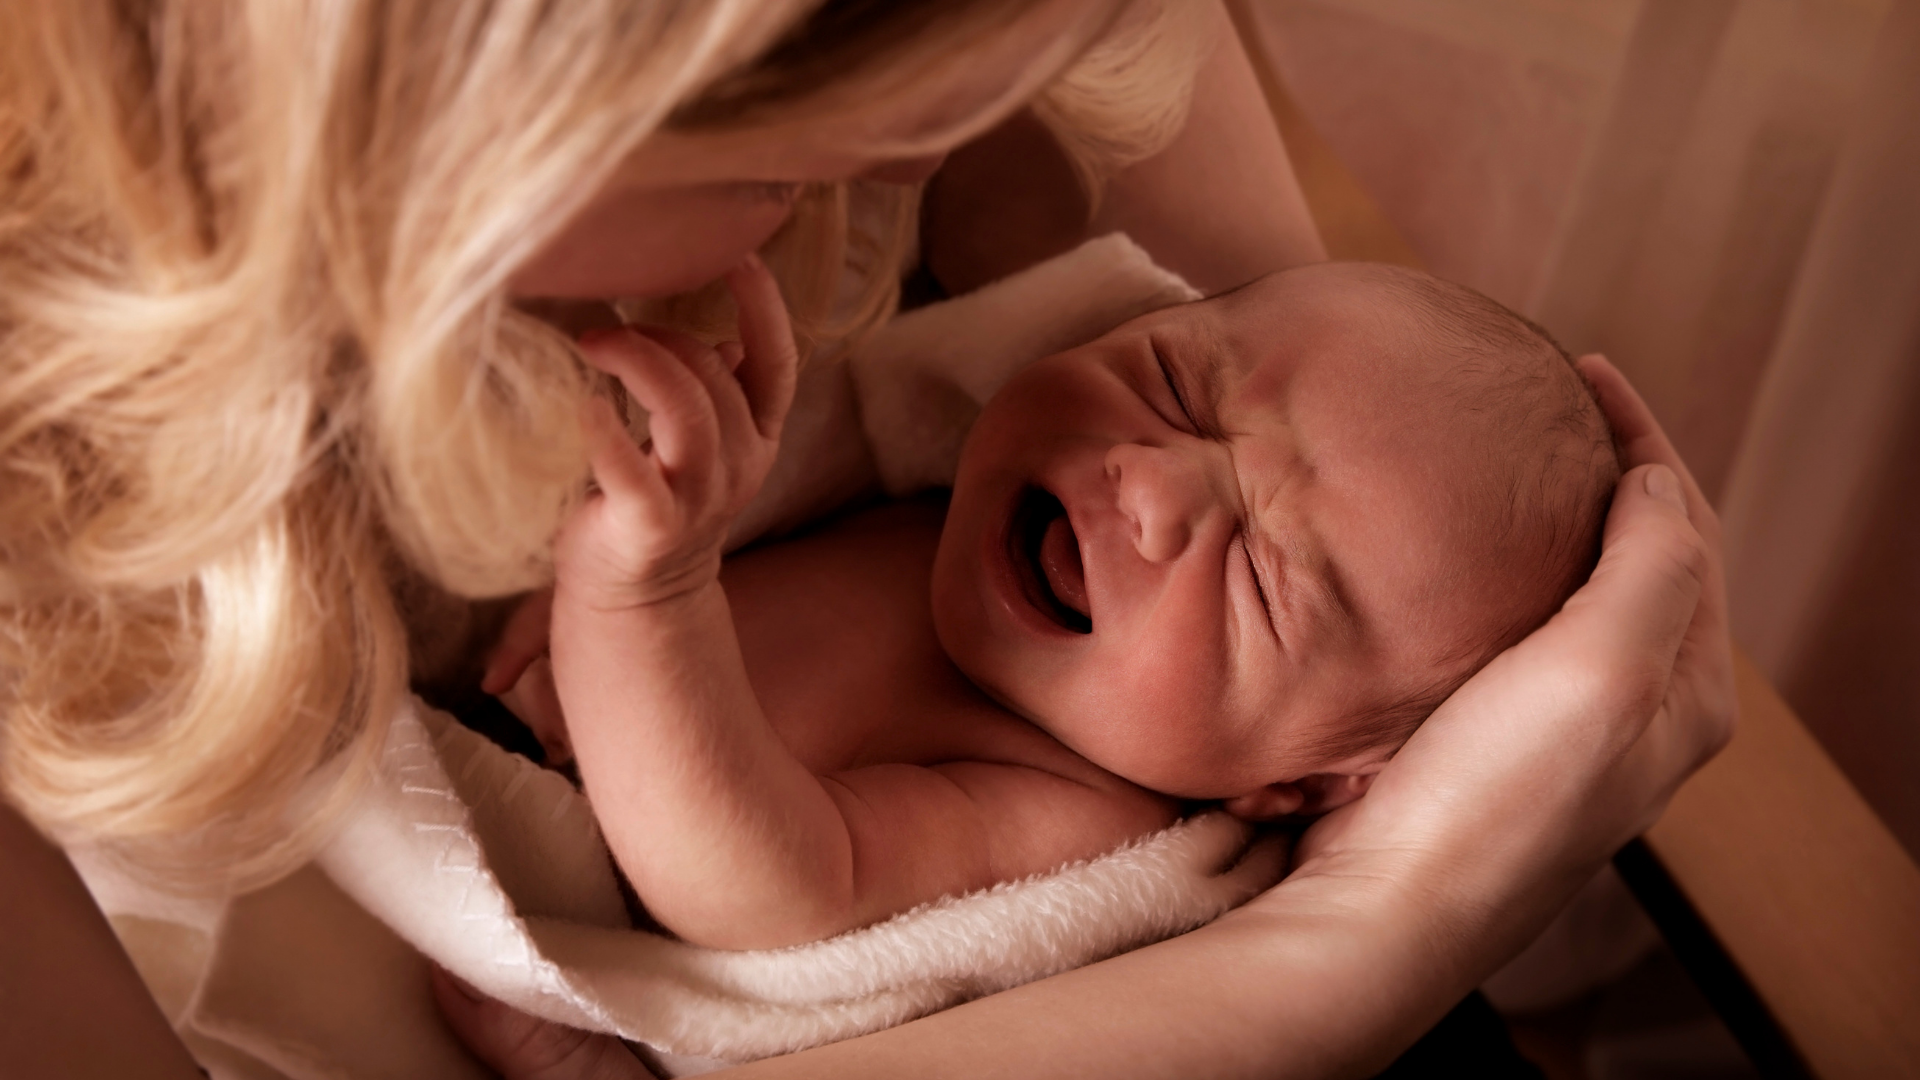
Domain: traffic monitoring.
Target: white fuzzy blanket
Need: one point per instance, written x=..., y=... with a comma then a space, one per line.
x=494, y=868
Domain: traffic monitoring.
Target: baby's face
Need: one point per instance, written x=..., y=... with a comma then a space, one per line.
x=1194, y=547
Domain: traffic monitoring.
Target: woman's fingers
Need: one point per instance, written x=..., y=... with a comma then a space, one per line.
x=769, y=370
x=1683, y=687
x=1636, y=609
x=1702, y=689
x=1632, y=421
x=1554, y=731
x=1567, y=745
x=1642, y=441
x=522, y=1047
x=1589, y=681
x=1593, y=678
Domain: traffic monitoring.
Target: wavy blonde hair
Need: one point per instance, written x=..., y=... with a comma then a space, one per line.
x=258, y=366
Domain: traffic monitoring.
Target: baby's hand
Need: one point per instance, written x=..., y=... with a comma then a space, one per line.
x=653, y=530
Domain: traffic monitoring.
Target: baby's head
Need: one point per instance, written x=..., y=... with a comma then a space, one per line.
x=1239, y=549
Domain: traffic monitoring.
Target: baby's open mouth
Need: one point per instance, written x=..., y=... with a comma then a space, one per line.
x=1046, y=555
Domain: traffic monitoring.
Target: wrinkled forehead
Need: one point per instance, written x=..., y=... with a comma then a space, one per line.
x=1320, y=332
x=1410, y=445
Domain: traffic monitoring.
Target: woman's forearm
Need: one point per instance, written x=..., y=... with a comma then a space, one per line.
x=1331, y=974
x=71, y=1004
x=1219, y=205
x=1324, y=978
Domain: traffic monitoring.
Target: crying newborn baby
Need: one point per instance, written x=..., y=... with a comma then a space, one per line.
x=1235, y=551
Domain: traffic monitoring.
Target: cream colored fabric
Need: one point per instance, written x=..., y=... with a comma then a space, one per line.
x=922, y=382
x=494, y=868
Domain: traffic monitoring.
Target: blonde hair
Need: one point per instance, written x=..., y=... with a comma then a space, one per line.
x=258, y=367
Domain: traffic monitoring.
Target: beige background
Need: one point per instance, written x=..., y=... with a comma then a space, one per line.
x=1724, y=197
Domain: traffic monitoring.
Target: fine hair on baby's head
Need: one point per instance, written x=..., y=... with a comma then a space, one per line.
x=1550, y=467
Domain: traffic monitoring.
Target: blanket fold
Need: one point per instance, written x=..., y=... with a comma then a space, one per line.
x=441, y=854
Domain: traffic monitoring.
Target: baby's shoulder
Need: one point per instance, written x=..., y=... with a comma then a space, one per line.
x=1039, y=812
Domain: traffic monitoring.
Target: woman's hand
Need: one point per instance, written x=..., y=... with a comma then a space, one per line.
x=1572, y=742
x=522, y=1047
x=1699, y=693
x=655, y=528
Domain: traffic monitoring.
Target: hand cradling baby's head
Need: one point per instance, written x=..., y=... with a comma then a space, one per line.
x=1246, y=545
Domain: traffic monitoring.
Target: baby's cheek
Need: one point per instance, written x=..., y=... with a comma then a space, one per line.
x=965, y=631
x=1148, y=714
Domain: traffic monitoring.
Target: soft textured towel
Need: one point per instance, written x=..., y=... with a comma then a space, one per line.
x=494, y=868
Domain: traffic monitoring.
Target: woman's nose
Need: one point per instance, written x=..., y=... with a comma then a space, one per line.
x=1162, y=493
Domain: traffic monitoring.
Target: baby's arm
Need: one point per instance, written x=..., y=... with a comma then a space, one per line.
x=704, y=809
x=726, y=836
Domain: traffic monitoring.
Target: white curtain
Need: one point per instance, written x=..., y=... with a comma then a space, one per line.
x=1724, y=197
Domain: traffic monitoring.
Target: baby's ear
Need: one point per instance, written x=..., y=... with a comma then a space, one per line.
x=1315, y=793
x=1267, y=803
x=1329, y=791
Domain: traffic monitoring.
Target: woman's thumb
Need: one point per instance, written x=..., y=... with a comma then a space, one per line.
x=1653, y=565
x=1662, y=484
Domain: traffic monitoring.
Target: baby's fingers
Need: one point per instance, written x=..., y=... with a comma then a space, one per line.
x=769, y=370
x=1262, y=867
x=619, y=467
x=680, y=411
x=716, y=367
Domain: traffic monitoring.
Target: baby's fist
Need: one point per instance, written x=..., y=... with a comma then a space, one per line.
x=653, y=529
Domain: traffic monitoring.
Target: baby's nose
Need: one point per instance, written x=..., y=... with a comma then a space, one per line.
x=1162, y=493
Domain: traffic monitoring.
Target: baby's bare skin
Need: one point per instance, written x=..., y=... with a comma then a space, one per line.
x=836, y=630
x=786, y=756
x=837, y=640
x=943, y=790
